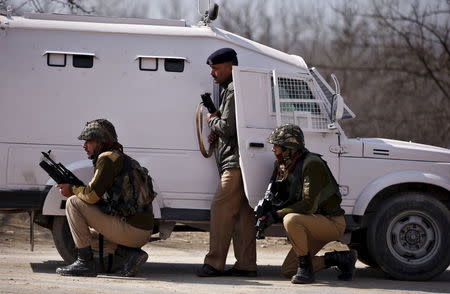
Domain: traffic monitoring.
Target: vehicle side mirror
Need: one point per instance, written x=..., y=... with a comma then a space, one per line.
x=337, y=104
x=339, y=112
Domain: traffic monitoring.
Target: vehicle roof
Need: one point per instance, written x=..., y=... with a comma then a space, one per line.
x=157, y=27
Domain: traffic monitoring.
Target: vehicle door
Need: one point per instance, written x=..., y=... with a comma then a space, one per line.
x=266, y=99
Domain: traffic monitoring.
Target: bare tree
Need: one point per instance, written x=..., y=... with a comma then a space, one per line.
x=422, y=32
x=248, y=19
x=111, y=8
x=391, y=58
x=45, y=6
x=292, y=26
x=120, y=8
x=393, y=62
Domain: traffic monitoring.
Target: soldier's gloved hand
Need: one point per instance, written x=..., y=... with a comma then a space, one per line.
x=64, y=189
x=271, y=218
x=212, y=137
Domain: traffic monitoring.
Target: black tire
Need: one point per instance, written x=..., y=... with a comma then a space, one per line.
x=63, y=239
x=360, y=245
x=409, y=237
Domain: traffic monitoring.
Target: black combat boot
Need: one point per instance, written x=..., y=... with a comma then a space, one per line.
x=345, y=262
x=134, y=259
x=84, y=266
x=305, y=274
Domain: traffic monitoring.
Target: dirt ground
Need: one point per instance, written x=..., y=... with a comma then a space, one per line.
x=171, y=267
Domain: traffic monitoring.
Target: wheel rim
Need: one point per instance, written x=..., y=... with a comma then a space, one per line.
x=413, y=237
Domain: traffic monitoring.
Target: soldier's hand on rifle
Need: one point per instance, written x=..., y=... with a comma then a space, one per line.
x=210, y=116
x=64, y=189
x=270, y=218
x=212, y=137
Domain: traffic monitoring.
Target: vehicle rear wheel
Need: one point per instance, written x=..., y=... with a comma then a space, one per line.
x=408, y=237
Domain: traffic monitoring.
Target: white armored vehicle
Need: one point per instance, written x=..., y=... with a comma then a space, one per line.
x=146, y=76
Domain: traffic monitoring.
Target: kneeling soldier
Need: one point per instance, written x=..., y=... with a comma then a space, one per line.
x=308, y=203
x=115, y=203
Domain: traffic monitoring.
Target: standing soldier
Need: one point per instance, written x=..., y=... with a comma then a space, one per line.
x=231, y=215
x=308, y=204
x=115, y=203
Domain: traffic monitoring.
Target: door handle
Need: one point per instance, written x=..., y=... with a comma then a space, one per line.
x=256, y=145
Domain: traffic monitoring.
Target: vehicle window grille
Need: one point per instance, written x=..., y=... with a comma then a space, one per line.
x=301, y=102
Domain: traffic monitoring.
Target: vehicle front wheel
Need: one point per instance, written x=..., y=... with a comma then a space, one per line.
x=409, y=236
x=63, y=239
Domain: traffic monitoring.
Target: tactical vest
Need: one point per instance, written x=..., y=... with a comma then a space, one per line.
x=330, y=197
x=131, y=192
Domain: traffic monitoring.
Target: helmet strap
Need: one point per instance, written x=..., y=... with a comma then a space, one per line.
x=97, y=151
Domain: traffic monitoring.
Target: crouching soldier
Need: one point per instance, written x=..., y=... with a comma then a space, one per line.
x=308, y=204
x=116, y=203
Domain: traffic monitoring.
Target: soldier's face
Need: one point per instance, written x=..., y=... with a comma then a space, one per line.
x=89, y=146
x=221, y=72
x=277, y=150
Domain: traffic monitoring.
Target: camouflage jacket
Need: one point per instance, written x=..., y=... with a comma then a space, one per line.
x=227, y=151
x=316, y=192
x=107, y=169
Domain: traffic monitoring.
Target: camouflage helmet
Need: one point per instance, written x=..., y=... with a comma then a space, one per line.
x=99, y=130
x=288, y=136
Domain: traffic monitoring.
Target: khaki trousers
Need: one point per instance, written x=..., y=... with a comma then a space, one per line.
x=308, y=234
x=231, y=218
x=86, y=221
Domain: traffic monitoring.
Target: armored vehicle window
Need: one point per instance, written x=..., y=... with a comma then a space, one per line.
x=295, y=89
x=301, y=101
x=83, y=61
x=174, y=65
x=149, y=64
x=56, y=59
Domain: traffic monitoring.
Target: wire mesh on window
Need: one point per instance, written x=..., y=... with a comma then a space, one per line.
x=306, y=121
x=311, y=107
x=311, y=114
x=294, y=89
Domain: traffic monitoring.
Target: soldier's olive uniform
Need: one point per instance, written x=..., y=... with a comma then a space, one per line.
x=308, y=202
x=311, y=213
x=82, y=211
x=86, y=212
x=231, y=215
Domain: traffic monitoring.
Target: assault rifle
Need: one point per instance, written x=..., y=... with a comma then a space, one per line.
x=263, y=208
x=58, y=172
x=208, y=103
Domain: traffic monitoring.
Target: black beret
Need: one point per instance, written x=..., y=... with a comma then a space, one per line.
x=223, y=55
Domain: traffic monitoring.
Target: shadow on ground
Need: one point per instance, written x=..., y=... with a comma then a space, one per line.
x=365, y=278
